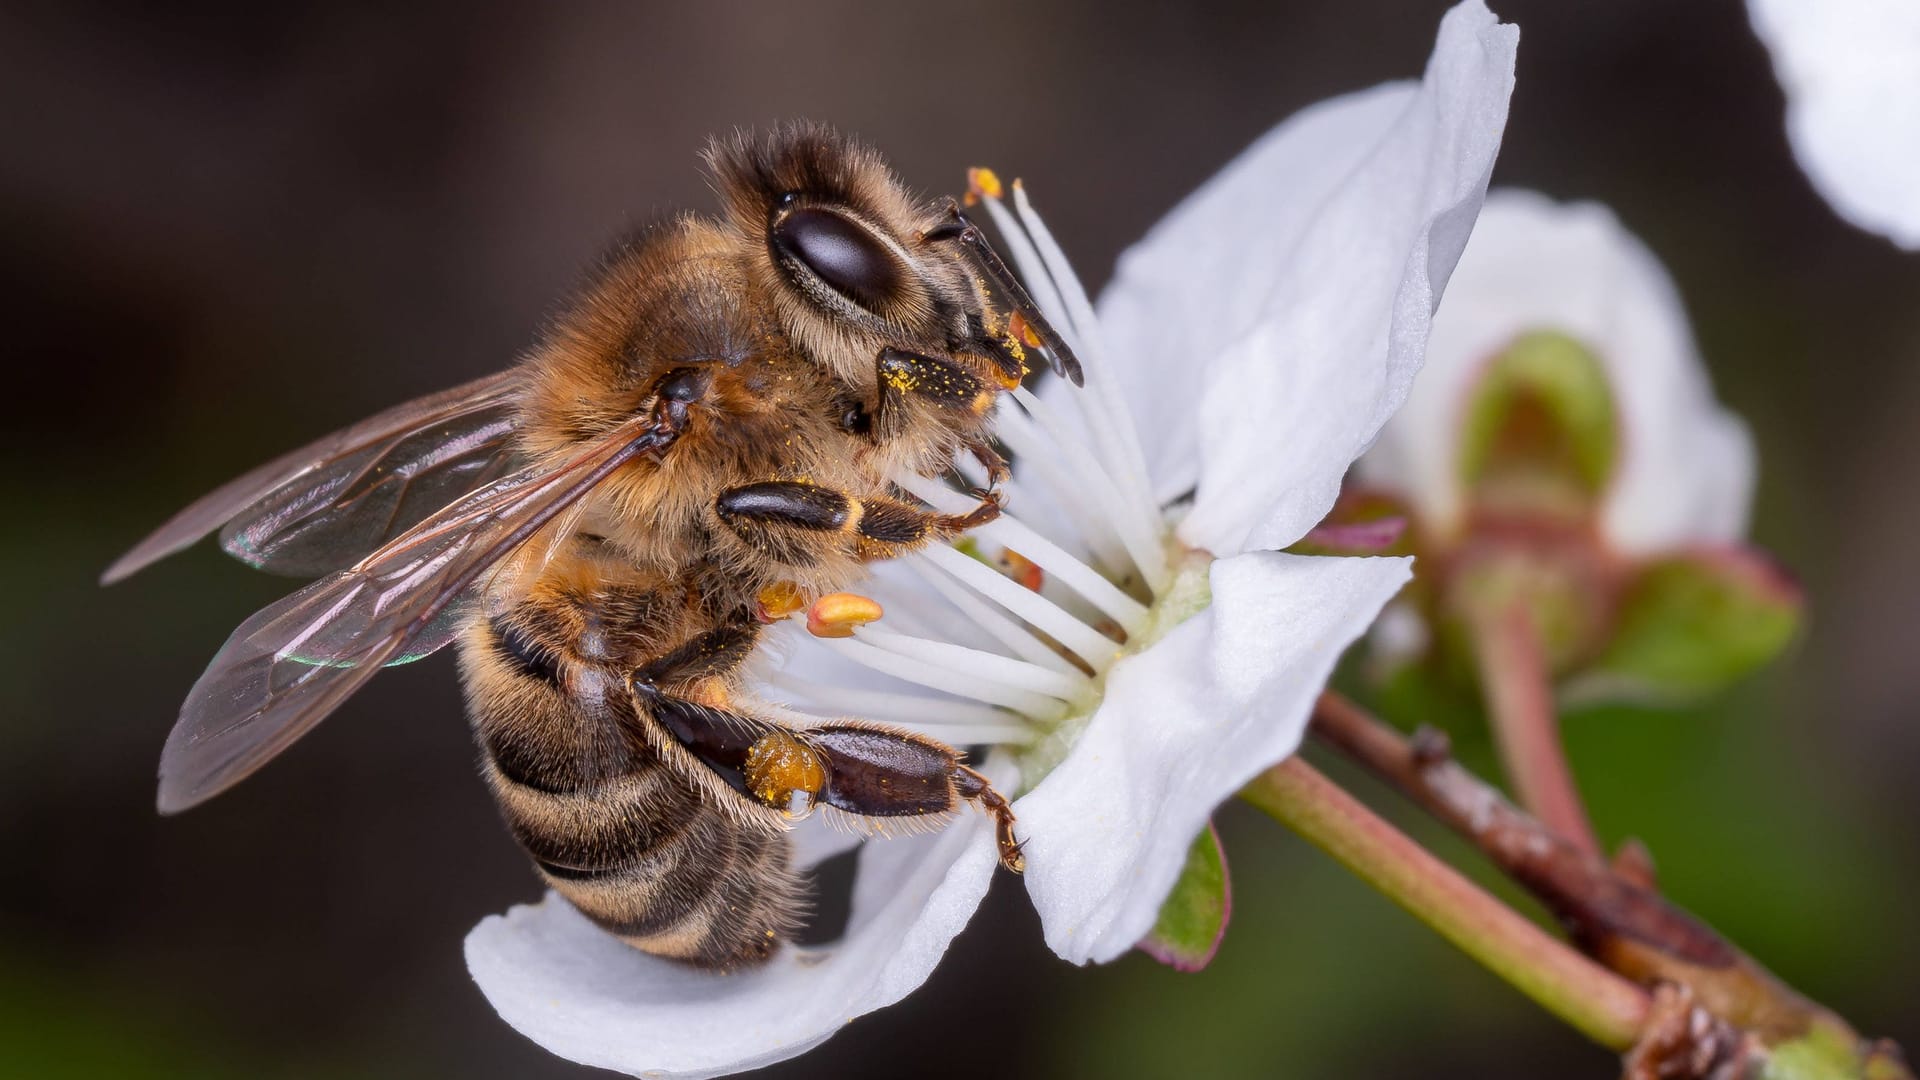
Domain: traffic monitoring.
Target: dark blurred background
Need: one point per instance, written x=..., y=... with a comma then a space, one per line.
x=226, y=232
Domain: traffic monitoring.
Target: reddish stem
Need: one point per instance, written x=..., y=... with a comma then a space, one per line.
x=1519, y=693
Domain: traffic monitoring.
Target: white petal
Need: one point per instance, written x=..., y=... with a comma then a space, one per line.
x=1851, y=71
x=1293, y=291
x=1184, y=725
x=580, y=993
x=1686, y=467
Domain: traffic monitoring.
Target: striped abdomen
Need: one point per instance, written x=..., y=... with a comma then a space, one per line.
x=626, y=837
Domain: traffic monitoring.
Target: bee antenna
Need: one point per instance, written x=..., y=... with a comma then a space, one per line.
x=958, y=226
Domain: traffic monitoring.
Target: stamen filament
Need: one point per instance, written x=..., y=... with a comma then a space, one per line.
x=896, y=707
x=1038, y=461
x=1042, y=284
x=1037, y=706
x=977, y=663
x=1091, y=645
x=1079, y=308
x=1015, y=534
x=1003, y=629
x=1139, y=532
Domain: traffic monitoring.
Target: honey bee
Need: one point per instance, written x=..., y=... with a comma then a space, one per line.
x=699, y=443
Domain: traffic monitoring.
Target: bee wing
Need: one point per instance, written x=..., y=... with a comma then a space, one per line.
x=326, y=504
x=295, y=661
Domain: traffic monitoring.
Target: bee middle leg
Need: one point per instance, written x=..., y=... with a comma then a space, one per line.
x=790, y=521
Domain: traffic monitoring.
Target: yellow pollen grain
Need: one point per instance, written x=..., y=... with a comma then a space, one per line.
x=900, y=379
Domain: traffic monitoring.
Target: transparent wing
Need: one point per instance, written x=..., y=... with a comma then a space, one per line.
x=291, y=664
x=324, y=505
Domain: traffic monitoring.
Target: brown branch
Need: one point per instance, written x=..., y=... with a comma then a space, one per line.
x=1617, y=920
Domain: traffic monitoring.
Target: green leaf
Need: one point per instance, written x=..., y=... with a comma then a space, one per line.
x=1194, y=916
x=1691, y=624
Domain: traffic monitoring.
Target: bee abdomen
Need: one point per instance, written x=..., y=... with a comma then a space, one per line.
x=647, y=860
x=717, y=897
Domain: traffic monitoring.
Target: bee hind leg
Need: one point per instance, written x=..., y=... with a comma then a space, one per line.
x=883, y=772
x=864, y=769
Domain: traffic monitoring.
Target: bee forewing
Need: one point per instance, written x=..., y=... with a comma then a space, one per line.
x=295, y=661
x=326, y=504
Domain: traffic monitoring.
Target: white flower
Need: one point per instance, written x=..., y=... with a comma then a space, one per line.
x=1851, y=72
x=1249, y=349
x=1684, y=472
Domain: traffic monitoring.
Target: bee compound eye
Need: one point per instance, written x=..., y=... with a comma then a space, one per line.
x=841, y=253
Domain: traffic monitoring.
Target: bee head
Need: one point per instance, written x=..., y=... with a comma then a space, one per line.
x=833, y=235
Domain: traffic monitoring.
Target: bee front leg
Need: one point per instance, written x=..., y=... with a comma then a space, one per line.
x=914, y=383
x=998, y=471
x=914, y=387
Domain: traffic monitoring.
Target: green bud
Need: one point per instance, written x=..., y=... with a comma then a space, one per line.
x=1828, y=1050
x=1194, y=916
x=1691, y=624
x=1540, y=429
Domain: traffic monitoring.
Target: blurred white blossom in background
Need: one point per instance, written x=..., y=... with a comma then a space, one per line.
x=1851, y=72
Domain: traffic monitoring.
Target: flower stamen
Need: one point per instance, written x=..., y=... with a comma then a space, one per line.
x=1135, y=526
x=1006, y=631
x=1012, y=533
x=954, y=681
x=836, y=614
x=1043, y=614
x=979, y=663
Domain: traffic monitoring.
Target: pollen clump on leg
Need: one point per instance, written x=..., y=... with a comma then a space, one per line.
x=783, y=773
x=1022, y=331
x=779, y=600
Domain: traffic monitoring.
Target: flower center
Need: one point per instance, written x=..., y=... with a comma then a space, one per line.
x=1188, y=593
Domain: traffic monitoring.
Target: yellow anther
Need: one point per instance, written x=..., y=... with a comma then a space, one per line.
x=982, y=184
x=779, y=600
x=1023, y=330
x=1022, y=570
x=836, y=614
x=782, y=772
